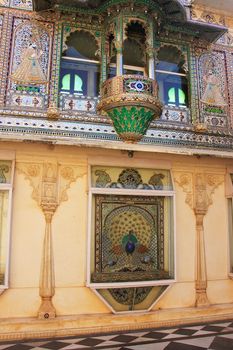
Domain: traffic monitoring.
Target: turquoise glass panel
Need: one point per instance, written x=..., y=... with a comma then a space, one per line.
x=66, y=82
x=78, y=83
x=171, y=95
x=181, y=97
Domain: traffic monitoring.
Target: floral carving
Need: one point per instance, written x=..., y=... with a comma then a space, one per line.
x=185, y=181
x=197, y=186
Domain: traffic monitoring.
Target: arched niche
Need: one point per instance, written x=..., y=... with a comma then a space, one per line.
x=76, y=45
x=134, y=45
x=80, y=65
x=171, y=75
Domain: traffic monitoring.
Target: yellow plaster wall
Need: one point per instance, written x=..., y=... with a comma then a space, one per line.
x=70, y=231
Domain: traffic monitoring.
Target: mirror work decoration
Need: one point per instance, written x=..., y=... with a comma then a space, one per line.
x=213, y=89
x=28, y=81
x=131, y=102
x=129, y=232
x=131, y=179
x=129, y=238
x=132, y=299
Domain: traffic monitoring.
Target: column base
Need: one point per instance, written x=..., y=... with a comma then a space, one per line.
x=46, y=310
x=201, y=299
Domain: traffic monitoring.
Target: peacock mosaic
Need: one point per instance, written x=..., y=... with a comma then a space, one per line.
x=129, y=239
x=130, y=233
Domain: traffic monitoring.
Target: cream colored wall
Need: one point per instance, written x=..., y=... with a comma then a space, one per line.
x=69, y=228
x=221, y=16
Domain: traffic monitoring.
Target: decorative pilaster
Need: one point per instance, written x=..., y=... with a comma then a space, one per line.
x=199, y=188
x=151, y=66
x=201, y=276
x=47, y=279
x=200, y=206
x=151, y=50
x=50, y=182
x=119, y=46
x=195, y=52
x=5, y=52
x=53, y=112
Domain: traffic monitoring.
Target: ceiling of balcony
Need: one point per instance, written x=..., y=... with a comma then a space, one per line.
x=175, y=12
x=171, y=8
x=223, y=5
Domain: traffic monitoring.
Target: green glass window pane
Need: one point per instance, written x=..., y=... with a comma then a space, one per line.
x=78, y=84
x=181, y=96
x=171, y=95
x=66, y=82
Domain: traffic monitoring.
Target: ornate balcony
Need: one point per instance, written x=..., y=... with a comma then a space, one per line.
x=131, y=101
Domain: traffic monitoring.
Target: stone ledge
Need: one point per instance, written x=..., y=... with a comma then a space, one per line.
x=62, y=326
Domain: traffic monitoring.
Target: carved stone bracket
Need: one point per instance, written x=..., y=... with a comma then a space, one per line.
x=50, y=182
x=199, y=188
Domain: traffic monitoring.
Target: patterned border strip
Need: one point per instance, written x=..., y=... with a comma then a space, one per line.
x=61, y=131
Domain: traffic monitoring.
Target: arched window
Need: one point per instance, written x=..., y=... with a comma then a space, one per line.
x=80, y=68
x=134, y=51
x=171, y=77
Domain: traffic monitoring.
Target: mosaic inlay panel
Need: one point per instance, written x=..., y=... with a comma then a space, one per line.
x=130, y=178
x=129, y=238
x=28, y=82
x=213, y=89
x=78, y=103
x=22, y=4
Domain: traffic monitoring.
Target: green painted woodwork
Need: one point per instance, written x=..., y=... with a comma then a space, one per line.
x=131, y=123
